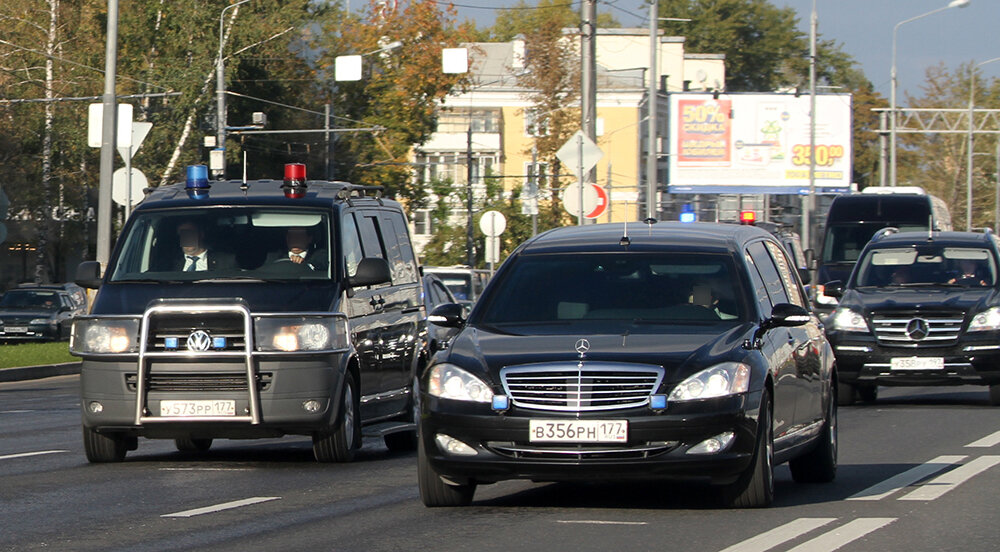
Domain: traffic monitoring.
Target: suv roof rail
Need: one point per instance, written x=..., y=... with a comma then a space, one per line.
x=887, y=231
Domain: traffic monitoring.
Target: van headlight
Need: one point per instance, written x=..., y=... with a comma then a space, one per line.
x=300, y=333
x=848, y=320
x=448, y=381
x=728, y=378
x=104, y=336
x=989, y=319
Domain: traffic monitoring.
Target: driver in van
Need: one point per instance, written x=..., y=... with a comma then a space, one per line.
x=300, y=249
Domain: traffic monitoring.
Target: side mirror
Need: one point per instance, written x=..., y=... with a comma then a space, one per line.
x=371, y=271
x=88, y=274
x=448, y=315
x=785, y=315
x=834, y=289
x=805, y=276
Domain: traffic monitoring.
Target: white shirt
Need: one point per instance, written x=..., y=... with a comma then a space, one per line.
x=200, y=264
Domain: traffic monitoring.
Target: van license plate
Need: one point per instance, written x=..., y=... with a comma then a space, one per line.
x=917, y=363
x=578, y=431
x=184, y=409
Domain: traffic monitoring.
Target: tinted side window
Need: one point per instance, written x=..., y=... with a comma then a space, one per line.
x=352, y=244
x=397, y=240
x=768, y=273
x=371, y=240
x=760, y=290
x=792, y=289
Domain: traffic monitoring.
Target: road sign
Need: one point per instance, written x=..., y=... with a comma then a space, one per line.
x=595, y=200
x=580, y=153
x=95, y=122
x=493, y=223
x=120, y=189
x=139, y=132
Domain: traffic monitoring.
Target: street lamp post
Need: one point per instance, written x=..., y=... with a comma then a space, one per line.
x=892, y=84
x=220, y=93
x=968, y=165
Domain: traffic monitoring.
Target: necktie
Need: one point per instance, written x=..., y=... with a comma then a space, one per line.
x=194, y=263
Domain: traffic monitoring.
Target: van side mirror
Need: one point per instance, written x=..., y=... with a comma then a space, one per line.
x=371, y=271
x=88, y=275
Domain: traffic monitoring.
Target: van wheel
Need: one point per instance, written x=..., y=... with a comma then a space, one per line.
x=755, y=487
x=405, y=441
x=820, y=464
x=340, y=444
x=102, y=447
x=189, y=444
x=868, y=393
x=846, y=394
x=436, y=493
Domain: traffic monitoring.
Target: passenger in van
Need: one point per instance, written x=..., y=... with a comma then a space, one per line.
x=195, y=253
x=300, y=249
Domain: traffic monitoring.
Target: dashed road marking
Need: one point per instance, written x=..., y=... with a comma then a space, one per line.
x=600, y=522
x=223, y=506
x=847, y=533
x=779, y=535
x=897, y=482
x=948, y=481
x=27, y=454
x=986, y=442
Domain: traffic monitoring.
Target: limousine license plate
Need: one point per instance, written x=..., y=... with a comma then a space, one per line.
x=184, y=409
x=917, y=363
x=578, y=431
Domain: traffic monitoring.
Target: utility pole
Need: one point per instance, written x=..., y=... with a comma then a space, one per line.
x=810, y=212
x=108, y=128
x=468, y=198
x=651, y=161
x=588, y=95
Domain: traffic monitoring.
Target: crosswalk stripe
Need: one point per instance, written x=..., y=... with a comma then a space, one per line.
x=987, y=441
x=897, y=482
x=948, y=481
x=845, y=534
x=779, y=535
x=224, y=506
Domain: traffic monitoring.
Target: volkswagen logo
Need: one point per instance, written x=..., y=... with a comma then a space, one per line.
x=199, y=340
x=917, y=329
x=582, y=346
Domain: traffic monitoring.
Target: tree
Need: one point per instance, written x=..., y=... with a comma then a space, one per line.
x=522, y=17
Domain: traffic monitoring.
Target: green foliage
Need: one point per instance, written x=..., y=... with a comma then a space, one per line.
x=34, y=354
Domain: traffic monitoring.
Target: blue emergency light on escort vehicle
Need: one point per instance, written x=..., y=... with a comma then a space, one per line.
x=245, y=309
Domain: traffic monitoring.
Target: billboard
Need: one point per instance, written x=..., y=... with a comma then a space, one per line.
x=757, y=143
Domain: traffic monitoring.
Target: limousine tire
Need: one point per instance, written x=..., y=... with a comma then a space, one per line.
x=755, y=487
x=436, y=493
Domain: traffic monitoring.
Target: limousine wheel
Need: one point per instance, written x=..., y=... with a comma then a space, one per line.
x=820, y=464
x=755, y=487
x=435, y=492
x=340, y=444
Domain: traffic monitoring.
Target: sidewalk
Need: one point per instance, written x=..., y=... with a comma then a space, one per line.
x=38, y=372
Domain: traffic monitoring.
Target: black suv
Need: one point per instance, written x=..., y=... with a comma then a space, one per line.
x=920, y=308
x=32, y=312
x=244, y=309
x=672, y=350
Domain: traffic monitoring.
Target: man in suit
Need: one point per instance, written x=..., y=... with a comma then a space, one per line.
x=196, y=256
x=300, y=250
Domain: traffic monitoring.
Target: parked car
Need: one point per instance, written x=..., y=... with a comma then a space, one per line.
x=465, y=283
x=33, y=312
x=919, y=309
x=673, y=350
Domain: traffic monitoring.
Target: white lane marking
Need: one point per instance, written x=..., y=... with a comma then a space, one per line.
x=208, y=469
x=600, y=522
x=16, y=411
x=779, y=535
x=27, y=454
x=987, y=441
x=898, y=481
x=844, y=534
x=221, y=507
x=948, y=481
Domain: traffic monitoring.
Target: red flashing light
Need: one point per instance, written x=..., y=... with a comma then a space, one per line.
x=295, y=180
x=748, y=217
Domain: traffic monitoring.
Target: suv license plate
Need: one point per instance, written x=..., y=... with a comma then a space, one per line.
x=578, y=431
x=16, y=329
x=917, y=363
x=183, y=409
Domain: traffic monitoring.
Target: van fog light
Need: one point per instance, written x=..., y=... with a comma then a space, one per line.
x=451, y=445
x=713, y=445
x=95, y=407
x=311, y=406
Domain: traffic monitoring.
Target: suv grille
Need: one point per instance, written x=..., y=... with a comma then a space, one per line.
x=917, y=329
x=570, y=387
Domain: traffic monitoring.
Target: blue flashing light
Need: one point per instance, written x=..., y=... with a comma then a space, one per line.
x=170, y=342
x=197, y=177
x=501, y=402
x=658, y=402
x=688, y=214
x=219, y=342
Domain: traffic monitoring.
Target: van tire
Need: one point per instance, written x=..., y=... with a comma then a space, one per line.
x=102, y=448
x=189, y=444
x=406, y=441
x=342, y=443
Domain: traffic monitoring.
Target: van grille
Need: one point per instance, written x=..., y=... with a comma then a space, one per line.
x=187, y=382
x=170, y=331
x=571, y=387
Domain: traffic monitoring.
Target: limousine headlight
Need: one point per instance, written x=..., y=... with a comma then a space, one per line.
x=104, y=336
x=300, y=333
x=451, y=382
x=728, y=378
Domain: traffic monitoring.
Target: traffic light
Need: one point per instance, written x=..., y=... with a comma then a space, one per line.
x=748, y=217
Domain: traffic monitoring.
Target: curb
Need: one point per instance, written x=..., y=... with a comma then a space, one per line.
x=38, y=372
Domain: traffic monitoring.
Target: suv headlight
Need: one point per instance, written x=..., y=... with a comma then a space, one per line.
x=728, y=378
x=848, y=321
x=989, y=319
x=300, y=333
x=104, y=336
x=448, y=381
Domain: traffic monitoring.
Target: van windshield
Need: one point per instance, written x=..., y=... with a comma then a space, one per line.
x=265, y=243
x=843, y=242
x=614, y=291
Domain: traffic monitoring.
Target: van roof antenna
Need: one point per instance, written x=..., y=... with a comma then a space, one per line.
x=930, y=227
x=624, y=242
x=244, y=186
x=649, y=224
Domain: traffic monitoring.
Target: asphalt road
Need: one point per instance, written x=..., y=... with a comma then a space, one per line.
x=919, y=470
